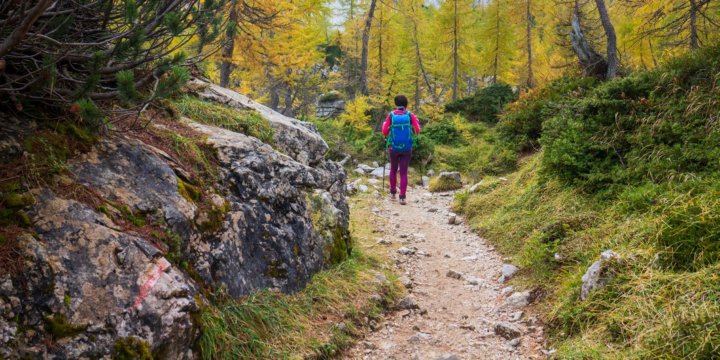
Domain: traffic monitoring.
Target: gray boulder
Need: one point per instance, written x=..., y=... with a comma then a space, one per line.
x=110, y=261
x=91, y=286
x=596, y=275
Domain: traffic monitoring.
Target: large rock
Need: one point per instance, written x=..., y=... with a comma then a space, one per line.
x=330, y=105
x=287, y=220
x=90, y=286
x=596, y=275
x=119, y=259
x=298, y=139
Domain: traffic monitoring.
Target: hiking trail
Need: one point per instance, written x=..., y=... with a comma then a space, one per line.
x=456, y=307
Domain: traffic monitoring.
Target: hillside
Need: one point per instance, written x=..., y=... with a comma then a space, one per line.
x=629, y=166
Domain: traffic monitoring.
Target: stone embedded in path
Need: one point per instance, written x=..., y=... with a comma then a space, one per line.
x=514, y=343
x=507, y=330
x=472, y=280
x=516, y=316
x=518, y=299
x=507, y=272
x=406, y=282
x=452, y=218
x=420, y=336
x=407, y=303
x=432, y=210
x=448, y=357
x=406, y=251
x=454, y=274
x=383, y=241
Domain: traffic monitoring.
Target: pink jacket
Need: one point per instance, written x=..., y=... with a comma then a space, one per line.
x=400, y=111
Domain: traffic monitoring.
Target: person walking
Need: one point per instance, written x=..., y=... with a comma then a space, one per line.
x=399, y=128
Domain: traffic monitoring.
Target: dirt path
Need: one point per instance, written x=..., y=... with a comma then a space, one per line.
x=455, y=316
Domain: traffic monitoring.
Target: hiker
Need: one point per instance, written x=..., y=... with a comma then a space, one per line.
x=399, y=128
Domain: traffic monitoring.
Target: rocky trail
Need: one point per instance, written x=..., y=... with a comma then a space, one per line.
x=457, y=306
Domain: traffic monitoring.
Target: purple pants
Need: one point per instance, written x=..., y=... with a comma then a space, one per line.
x=399, y=160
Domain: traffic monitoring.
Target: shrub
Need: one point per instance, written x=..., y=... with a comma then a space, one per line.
x=443, y=132
x=485, y=104
x=651, y=126
x=520, y=126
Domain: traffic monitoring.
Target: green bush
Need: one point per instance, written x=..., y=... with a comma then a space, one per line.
x=485, y=104
x=520, y=126
x=651, y=126
x=443, y=132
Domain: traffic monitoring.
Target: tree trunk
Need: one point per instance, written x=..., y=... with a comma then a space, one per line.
x=497, y=43
x=694, y=43
x=226, y=65
x=592, y=63
x=380, y=46
x=364, y=57
x=612, y=59
x=531, y=75
x=455, y=52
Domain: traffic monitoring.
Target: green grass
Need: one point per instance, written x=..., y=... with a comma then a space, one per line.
x=247, y=122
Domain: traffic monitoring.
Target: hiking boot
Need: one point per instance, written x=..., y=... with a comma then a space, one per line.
x=402, y=200
x=392, y=196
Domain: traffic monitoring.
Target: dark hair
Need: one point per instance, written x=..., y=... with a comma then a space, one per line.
x=401, y=100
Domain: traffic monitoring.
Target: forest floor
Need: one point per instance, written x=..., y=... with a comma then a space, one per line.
x=455, y=300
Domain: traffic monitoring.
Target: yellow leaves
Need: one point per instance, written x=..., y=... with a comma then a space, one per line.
x=356, y=115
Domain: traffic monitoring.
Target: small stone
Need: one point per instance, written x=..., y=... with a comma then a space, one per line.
x=471, y=280
x=506, y=291
x=595, y=276
x=448, y=357
x=470, y=258
x=454, y=274
x=375, y=164
x=518, y=299
x=508, y=270
x=447, y=256
x=406, y=282
x=507, y=330
x=432, y=210
x=514, y=343
x=516, y=316
x=363, y=188
x=451, y=219
x=420, y=336
x=383, y=241
x=425, y=181
x=407, y=303
x=406, y=251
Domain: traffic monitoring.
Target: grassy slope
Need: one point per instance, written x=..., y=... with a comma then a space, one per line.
x=664, y=298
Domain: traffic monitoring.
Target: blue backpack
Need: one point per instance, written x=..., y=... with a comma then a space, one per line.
x=401, y=135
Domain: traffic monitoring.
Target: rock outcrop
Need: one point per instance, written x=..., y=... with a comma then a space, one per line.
x=127, y=265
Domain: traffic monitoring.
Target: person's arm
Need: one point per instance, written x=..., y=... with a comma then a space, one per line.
x=415, y=123
x=386, y=126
